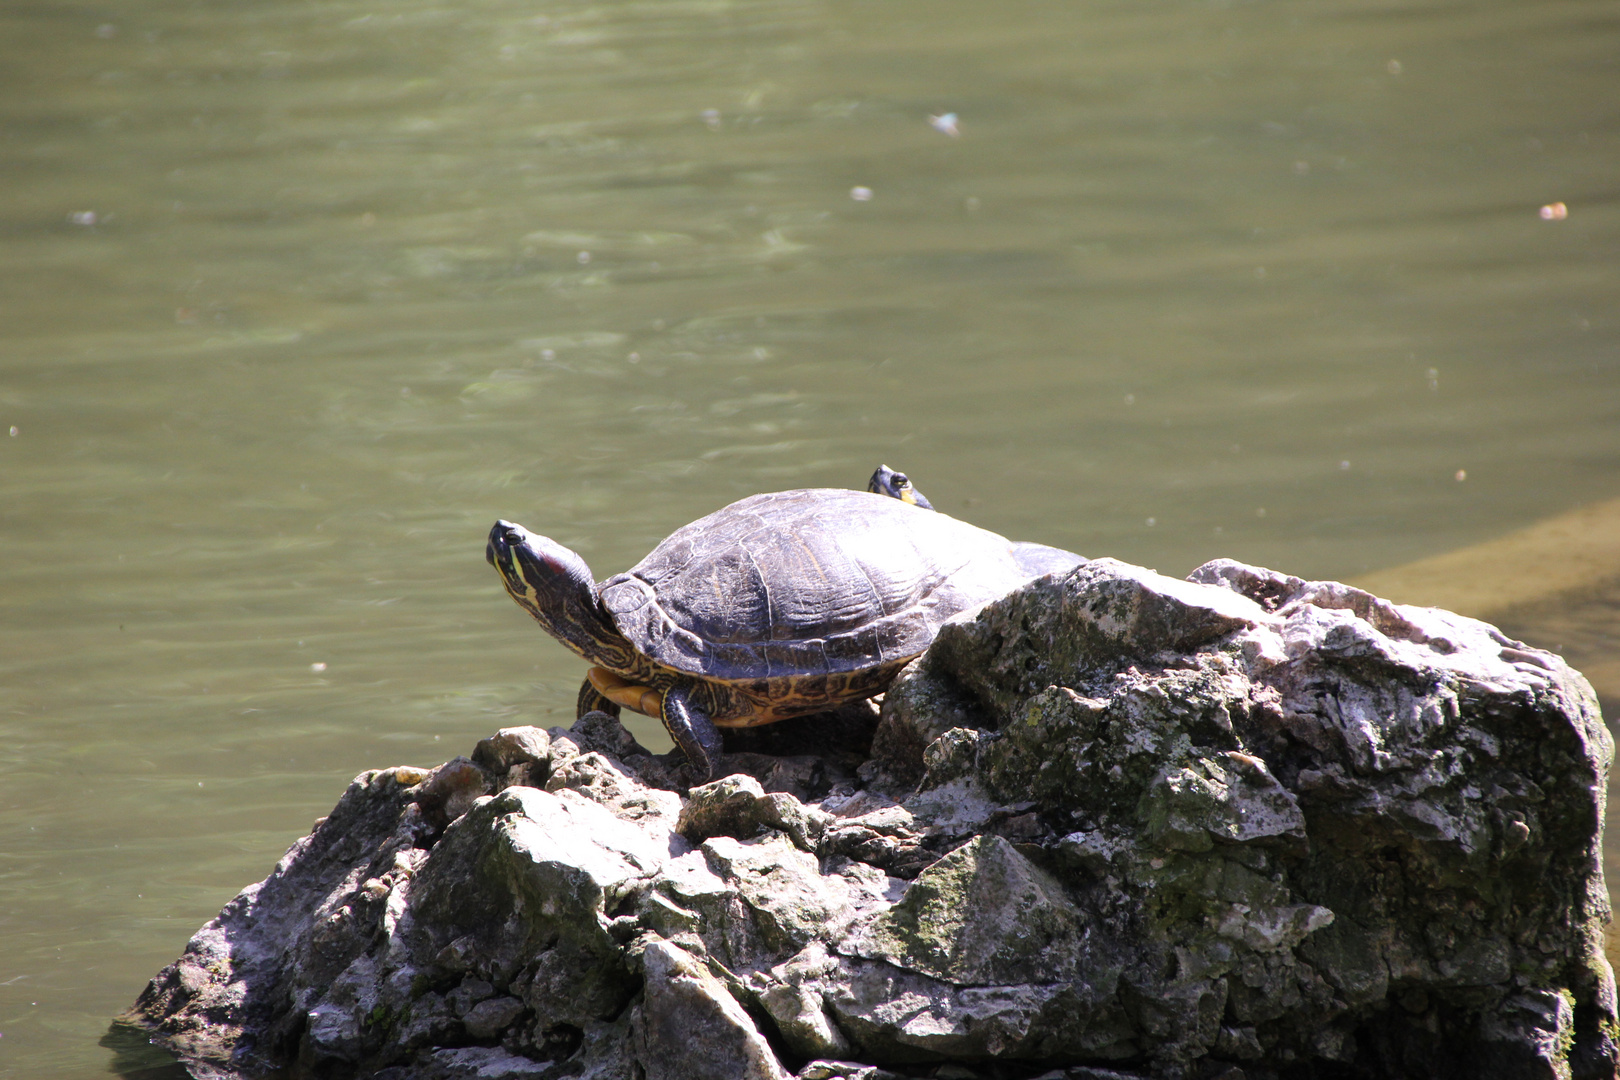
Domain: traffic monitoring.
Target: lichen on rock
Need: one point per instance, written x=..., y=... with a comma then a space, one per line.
x=1113, y=825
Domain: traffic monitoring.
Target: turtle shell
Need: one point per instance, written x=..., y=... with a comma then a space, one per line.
x=804, y=583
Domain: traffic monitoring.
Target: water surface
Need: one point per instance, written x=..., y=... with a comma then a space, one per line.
x=300, y=296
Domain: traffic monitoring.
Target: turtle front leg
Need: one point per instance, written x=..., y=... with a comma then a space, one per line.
x=592, y=700
x=692, y=731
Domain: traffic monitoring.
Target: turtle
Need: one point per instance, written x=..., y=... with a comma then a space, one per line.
x=779, y=605
x=896, y=485
x=1037, y=559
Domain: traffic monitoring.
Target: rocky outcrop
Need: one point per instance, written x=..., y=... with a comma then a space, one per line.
x=1113, y=825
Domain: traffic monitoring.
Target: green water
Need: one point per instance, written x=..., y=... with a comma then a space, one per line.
x=298, y=296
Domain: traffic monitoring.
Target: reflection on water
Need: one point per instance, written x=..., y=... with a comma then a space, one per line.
x=299, y=298
x=135, y=1058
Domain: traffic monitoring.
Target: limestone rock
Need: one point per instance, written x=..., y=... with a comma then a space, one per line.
x=515, y=748
x=983, y=915
x=1113, y=826
x=689, y=1025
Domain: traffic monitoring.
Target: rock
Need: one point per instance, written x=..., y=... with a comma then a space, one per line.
x=474, y=1063
x=793, y=995
x=513, y=746
x=844, y=1070
x=488, y=1019
x=983, y=915
x=1113, y=826
x=724, y=807
x=689, y=1025
x=738, y=806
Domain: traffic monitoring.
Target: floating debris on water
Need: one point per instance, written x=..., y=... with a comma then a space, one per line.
x=1554, y=212
x=860, y=193
x=946, y=124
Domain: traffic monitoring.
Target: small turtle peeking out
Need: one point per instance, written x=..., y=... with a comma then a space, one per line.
x=780, y=605
x=1037, y=559
x=896, y=485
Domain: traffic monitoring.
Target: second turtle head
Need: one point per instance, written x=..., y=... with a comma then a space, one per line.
x=896, y=485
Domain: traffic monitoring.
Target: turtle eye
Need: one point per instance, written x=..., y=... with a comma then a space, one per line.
x=901, y=480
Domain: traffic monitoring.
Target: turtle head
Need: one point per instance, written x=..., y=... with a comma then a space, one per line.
x=554, y=585
x=896, y=485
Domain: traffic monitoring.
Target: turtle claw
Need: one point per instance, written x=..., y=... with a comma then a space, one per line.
x=693, y=732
